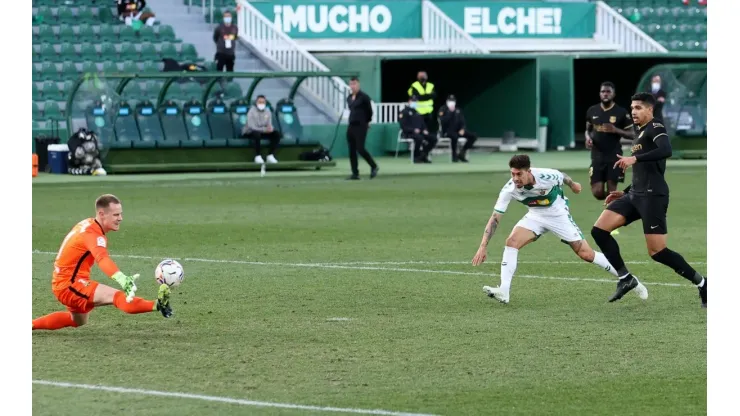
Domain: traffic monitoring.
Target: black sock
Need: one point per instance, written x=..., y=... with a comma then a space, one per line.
x=676, y=262
x=610, y=248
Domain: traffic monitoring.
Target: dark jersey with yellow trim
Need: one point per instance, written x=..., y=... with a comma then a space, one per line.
x=648, y=178
x=606, y=145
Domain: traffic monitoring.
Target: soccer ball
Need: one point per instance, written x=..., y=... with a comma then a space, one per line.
x=169, y=272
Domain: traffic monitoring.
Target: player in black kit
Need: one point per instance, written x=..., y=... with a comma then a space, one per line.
x=645, y=199
x=606, y=124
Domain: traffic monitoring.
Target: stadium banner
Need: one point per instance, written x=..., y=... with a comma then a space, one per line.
x=342, y=19
x=487, y=19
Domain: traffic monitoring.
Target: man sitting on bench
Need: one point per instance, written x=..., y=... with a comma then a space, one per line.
x=259, y=127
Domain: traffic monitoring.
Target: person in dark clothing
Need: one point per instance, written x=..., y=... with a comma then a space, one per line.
x=130, y=10
x=225, y=36
x=413, y=127
x=660, y=95
x=360, y=115
x=453, y=126
x=646, y=199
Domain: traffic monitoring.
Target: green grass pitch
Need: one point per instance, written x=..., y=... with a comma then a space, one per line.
x=360, y=295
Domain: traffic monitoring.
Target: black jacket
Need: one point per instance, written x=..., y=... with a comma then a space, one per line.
x=451, y=121
x=410, y=119
x=360, y=109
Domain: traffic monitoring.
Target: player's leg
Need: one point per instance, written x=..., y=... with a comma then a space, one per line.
x=76, y=298
x=618, y=214
x=106, y=295
x=655, y=227
x=597, y=178
x=525, y=231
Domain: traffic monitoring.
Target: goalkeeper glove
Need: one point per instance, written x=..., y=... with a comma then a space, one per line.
x=128, y=284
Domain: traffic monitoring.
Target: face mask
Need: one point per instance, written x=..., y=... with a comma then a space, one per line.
x=656, y=86
x=227, y=20
x=422, y=79
x=451, y=105
x=412, y=104
x=261, y=106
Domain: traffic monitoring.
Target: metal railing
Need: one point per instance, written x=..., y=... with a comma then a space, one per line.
x=387, y=112
x=441, y=31
x=615, y=28
x=270, y=41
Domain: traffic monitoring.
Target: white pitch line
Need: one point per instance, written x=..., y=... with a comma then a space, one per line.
x=468, y=262
x=391, y=269
x=241, y=402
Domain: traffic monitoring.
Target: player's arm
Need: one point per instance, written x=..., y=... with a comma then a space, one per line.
x=663, y=143
x=569, y=182
x=97, y=246
x=491, y=227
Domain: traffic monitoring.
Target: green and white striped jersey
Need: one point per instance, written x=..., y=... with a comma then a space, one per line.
x=545, y=197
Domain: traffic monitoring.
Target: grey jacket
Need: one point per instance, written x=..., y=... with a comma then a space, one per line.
x=258, y=120
x=218, y=36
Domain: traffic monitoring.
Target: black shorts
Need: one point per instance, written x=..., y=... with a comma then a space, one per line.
x=604, y=171
x=652, y=210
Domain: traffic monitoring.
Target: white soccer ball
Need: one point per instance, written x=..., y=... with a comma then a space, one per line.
x=169, y=272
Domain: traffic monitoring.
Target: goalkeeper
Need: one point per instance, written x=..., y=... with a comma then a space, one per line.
x=85, y=245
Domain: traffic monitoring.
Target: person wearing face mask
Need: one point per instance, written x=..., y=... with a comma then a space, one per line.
x=414, y=127
x=225, y=36
x=660, y=95
x=259, y=127
x=360, y=114
x=606, y=124
x=426, y=94
x=453, y=126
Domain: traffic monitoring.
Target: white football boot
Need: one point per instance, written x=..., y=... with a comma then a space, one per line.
x=496, y=293
x=258, y=159
x=640, y=290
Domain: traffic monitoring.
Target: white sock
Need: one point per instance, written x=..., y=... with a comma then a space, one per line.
x=601, y=261
x=508, y=267
x=701, y=284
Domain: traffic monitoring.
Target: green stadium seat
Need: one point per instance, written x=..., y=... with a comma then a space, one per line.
x=49, y=71
x=647, y=13
x=146, y=34
x=196, y=122
x=150, y=129
x=679, y=13
x=51, y=91
x=65, y=16
x=188, y=52
x=37, y=116
x=46, y=35
x=128, y=51
x=110, y=67
x=87, y=15
x=100, y=122
x=52, y=111
x=150, y=67
x=130, y=67
x=67, y=35
x=47, y=53
x=233, y=91
x=192, y=90
x=106, y=16
x=288, y=121
x=108, y=34
x=36, y=93
x=239, y=110
x=45, y=16
x=89, y=53
x=86, y=33
x=148, y=52
x=108, y=51
x=167, y=34
x=127, y=34
x=125, y=129
x=175, y=92
x=132, y=92
x=66, y=89
x=168, y=50
x=173, y=126
x=219, y=121
x=90, y=68
x=67, y=52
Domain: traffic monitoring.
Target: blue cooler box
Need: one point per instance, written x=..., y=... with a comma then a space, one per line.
x=58, y=158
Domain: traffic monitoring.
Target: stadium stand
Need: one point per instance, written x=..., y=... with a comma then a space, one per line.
x=675, y=25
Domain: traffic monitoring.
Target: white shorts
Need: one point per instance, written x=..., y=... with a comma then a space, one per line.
x=562, y=226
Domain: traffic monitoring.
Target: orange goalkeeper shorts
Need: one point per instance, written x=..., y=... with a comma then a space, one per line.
x=78, y=297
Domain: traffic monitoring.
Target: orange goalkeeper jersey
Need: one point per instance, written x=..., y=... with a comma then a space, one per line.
x=84, y=246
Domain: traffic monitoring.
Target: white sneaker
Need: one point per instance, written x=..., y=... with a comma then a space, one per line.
x=258, y=159
x=641, y=291
x=271, y=159
x=496, y=293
